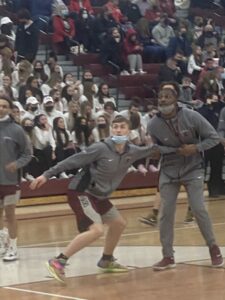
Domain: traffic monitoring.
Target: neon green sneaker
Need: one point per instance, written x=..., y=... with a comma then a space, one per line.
x=111, y=266
x=56, y=268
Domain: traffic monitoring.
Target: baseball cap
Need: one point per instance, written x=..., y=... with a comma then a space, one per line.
x=32, y=100
x=48, y=99
x=5, y=20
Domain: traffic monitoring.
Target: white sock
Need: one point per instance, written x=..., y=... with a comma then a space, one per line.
x=13, y=243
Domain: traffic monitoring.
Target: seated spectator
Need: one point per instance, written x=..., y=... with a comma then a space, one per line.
x=162, y=32
x=110, y=111
x=22, y=72
x=44, y=144
x=64, y=144
x=75, y=6
x=167, y=6
x=32, y=108
x=130, y=10
x=180, y=42
x=143, y=6
x=101, y=130
x=209, y=36
x=27, y=37
x=186, y=92
x=112, y=52
x=33, y=86
x=63, y=31
x=102, y=25
x=103, y=95
x=195, y=62
x=87, y=77
x=39, y=72
x=182, y=8
x=86, y=111
x=6, y=28
x=49, y=110
x=134, y=107
x=81, y=133
x=7, y=83
x=71, y=116
x=133, y=51
x=198, y=26
x=112, y=6
x=60, y=104
x=52, y=65
x=170, y=71
x=86, y=35
x=210, y=51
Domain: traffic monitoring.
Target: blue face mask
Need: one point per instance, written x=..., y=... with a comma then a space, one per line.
x=119, y=139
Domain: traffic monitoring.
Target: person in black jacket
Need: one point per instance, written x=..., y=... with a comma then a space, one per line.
x=27, y=37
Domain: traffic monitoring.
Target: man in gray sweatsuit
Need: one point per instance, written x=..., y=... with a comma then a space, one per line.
x=88, y=195
x=191, y=134
x=15, y=153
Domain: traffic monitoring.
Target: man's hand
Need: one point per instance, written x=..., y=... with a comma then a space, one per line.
x=11, y=167
x=38, y=182
x=187, y=150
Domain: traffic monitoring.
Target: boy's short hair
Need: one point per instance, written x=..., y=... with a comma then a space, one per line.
x=121, y=119
x=6, y=98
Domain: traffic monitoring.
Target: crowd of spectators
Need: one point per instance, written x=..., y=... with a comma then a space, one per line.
x=63, y=115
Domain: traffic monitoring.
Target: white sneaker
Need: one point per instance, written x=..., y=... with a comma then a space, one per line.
x=142, y=72
x=4, y=241
x=124, y=73
x=63, y=175
x=11, y=255
x=133, y=72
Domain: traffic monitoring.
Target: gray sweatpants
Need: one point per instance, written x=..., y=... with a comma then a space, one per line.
x=135, y=62
x=169, y=189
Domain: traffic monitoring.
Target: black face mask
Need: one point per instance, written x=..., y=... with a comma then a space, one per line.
x=83, y=127
x=33, y=108
x=101, y=126
x=56, y=99
x=28, y=128
x=184, y=35
x=49, y=108
x=38, y=70
x=74, y=115
x=88, y=79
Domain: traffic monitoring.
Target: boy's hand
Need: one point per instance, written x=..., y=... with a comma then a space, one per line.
x=38, y=182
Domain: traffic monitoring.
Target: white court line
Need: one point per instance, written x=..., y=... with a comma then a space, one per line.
x=42, y=293
x=192, y=226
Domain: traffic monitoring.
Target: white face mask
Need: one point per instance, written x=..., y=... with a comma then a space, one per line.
x=69, y=82
x=167, y=110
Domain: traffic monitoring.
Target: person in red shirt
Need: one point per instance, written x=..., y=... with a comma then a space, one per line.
x=76, y=5
x=112, y=6
x=64, y=31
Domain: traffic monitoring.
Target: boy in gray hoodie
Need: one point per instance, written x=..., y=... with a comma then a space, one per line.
x=108, y=163
x=15, y=153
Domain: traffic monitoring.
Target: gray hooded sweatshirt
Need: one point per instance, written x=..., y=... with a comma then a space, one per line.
x=188, y=127
x=107, y=166
x=14, y=146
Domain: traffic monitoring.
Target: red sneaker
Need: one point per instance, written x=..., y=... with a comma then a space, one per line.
x=216, y=256
x=165, y=263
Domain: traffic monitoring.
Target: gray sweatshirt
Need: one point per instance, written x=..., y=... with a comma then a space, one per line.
x=221, y=124
x=107, y=166
x=188, y=127
x=14, y=146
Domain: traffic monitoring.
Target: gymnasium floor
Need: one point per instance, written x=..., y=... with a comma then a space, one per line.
x=44, y=237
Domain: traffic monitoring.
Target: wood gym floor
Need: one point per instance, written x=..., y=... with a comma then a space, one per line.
x=45, y=230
